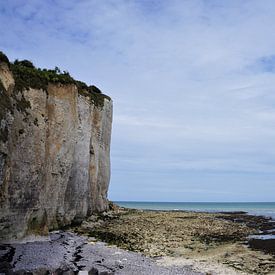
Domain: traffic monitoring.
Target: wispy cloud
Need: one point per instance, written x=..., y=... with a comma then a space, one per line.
x=192, y=83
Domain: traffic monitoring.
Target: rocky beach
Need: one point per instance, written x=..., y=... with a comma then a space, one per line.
x=128, y=241
x=217, y=243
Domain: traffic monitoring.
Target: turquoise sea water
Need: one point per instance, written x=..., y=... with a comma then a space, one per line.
x=255, y=208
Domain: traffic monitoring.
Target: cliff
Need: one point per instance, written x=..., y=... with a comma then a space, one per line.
x=54, y=149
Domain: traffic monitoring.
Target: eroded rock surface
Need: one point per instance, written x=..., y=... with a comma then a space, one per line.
x=54, y=155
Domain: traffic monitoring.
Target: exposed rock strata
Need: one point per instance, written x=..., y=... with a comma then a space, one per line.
x=54, y=156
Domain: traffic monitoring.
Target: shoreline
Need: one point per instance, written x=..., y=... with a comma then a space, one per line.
x=252, y=208
x=167, y=242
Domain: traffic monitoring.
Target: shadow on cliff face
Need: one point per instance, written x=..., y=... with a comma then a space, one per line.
x=2, y=166
x=6, y=257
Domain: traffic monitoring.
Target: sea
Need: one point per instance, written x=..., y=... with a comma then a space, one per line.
x=255, y=208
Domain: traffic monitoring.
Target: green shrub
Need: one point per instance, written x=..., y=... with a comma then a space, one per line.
x=4, y=58
x=26, y=76
x=25, y=63
x=94, y=89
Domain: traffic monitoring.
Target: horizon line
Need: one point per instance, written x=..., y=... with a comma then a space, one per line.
x=196, y=201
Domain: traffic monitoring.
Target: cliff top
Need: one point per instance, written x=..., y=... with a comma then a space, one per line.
x=26, y=76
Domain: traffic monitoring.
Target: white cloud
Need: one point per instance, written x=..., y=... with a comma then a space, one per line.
x=188, y=78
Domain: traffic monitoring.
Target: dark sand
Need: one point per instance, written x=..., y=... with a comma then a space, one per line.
x=67, y=253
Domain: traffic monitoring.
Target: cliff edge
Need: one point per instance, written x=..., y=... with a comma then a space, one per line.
x=54, y=149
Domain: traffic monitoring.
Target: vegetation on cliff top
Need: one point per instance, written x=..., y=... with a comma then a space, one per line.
x=4, y=58
x=26, y=76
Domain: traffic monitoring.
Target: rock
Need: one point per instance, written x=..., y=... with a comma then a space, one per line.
x=90, y=225
x=54, y=156
x=226, y=254
x=267, y=245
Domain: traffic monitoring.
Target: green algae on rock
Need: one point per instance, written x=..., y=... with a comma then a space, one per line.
x=206, y=237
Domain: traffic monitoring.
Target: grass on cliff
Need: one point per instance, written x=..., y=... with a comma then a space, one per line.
x=26, y=76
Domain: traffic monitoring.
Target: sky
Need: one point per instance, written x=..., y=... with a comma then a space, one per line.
x=192, y=83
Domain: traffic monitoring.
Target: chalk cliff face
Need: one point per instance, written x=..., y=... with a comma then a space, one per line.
x=54, y=155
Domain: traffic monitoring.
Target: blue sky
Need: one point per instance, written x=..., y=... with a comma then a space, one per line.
x=193, y=85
